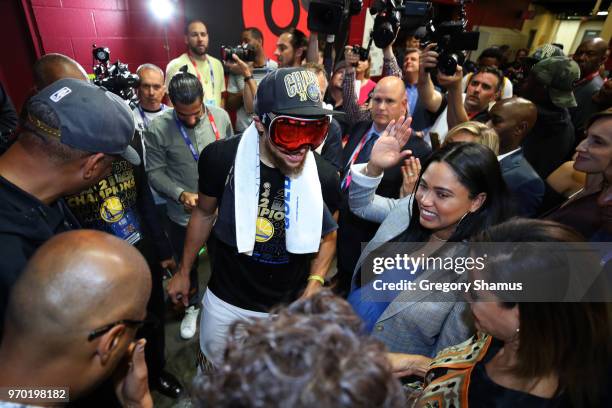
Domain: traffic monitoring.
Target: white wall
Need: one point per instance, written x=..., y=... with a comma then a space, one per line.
x=490, y=36
x=588, y=25
x=566, y=34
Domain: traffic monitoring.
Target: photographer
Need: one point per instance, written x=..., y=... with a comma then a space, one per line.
x=239, y=96
x=354, y=113
x=455, y=107
x=491, y=57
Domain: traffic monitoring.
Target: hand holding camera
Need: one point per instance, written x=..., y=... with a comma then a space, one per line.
x=351, y=58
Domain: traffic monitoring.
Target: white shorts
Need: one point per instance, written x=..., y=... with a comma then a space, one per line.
x=215, y=319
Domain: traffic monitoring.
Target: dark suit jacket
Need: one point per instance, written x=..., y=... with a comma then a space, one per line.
x=523, y=182
x=352, y=229
x=332, y=149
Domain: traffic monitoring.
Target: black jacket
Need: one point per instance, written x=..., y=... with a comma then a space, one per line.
x=523, y=182
x=551, y=141
x=25, y=224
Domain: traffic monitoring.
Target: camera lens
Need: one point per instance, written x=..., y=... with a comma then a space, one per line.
x=447, y=63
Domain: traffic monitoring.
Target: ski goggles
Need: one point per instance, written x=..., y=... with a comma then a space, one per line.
x=291, y=133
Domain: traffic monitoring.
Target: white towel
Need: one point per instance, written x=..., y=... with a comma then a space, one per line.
x=303, y=200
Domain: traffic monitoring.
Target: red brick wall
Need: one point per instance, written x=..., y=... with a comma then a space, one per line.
x=127, y=27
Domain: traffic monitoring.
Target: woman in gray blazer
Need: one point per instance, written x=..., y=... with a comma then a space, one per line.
x=460, y=192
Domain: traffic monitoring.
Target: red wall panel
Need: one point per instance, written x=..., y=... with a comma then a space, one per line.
x=127, y=27
x=16, y=52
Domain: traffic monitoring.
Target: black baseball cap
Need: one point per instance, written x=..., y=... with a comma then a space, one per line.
x=90, y=118
x=290, y=91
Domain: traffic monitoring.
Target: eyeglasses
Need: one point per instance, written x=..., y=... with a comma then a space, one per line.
x=101, y=330
x=291, y=133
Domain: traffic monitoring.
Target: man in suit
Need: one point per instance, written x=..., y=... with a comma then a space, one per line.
x=513, y=119
x=389, y=102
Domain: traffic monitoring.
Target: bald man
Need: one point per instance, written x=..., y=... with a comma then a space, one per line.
x=85, y=293
x=51, y=67
x=590, y=56
x=388, y=102
x=513, y=119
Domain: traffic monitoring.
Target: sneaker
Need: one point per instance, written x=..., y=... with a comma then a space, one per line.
x=189, y=323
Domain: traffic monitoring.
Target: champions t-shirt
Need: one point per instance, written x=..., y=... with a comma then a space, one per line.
x=271, y=275
x=110, y=204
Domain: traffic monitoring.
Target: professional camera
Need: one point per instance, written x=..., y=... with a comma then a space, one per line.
x=243, y=51
x=327, y=16
x=116, y=77
x=386, y=22
x=364, y=53
x=452, y=41
x=451, y=37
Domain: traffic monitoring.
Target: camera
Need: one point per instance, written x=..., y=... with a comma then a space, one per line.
x=386, y=22
x=452, y=41
x=451, y=37
x=243, y=51
x=116, y=77
x=363, y=53
x=327, y=16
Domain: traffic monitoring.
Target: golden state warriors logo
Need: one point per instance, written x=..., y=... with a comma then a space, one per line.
x=111, y=209
x=264, y=230
x=303, y=84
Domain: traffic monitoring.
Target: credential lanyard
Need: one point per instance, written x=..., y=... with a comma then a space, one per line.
x=181, y=128
x=347, y=179
x=210, y=69
x=211, y=119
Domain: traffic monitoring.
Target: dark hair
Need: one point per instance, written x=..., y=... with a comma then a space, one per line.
x=298, y=40
x=185, y=88
x=190, y=22
x=491, y=70
x=492, y=52
x=311, y=353
x=255, y=33
x=477, y=169
x=570, y=339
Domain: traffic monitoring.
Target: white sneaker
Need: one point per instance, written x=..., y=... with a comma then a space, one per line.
x=189, y=323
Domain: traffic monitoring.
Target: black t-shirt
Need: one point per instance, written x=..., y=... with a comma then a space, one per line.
x=110, y=205
x=271, y=275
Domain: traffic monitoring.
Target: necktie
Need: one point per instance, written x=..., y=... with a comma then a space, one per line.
x=364, y=154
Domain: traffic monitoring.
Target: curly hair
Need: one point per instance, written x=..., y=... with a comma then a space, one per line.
x=311, y=353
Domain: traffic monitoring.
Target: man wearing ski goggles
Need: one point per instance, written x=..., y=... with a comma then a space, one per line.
x=268, y=202
x=292, y=133
x=291, y=120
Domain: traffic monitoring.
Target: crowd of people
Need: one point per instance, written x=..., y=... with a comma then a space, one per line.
x=291, y=179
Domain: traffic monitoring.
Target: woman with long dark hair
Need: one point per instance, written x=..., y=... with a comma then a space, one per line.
x=532, y=349
x=460, y=192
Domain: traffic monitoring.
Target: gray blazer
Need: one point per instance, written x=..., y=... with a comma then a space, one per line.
x=416, y=322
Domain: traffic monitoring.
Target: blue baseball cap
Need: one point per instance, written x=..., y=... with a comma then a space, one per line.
x=91, y=118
